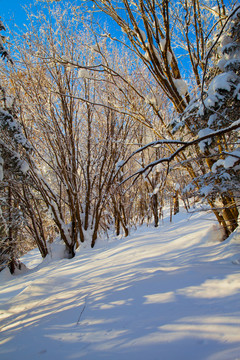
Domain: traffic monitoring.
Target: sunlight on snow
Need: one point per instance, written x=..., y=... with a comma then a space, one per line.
x=214, y=288
x=160, y=298
x=165, y=288
x=3, y=341
x=113, y=304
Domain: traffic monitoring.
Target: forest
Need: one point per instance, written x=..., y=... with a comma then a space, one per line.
x=112, y=111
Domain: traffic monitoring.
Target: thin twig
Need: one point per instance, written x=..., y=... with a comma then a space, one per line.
x=80, y=315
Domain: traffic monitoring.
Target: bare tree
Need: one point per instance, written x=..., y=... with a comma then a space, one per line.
x=77, y=135
x=152, y=29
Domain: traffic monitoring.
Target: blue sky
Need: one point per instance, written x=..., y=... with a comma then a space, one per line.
x=13, y=10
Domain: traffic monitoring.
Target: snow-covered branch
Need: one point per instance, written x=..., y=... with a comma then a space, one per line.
x=185, y=145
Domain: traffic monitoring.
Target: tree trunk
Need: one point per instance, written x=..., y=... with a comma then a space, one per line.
x=176, y=202
x=155, y=209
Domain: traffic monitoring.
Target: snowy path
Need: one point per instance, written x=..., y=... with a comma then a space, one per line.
x=165, y=293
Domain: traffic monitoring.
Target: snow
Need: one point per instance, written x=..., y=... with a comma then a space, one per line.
x=12, y=125
x=225, y=39
x=237, y=122
x=157, y=54
x=156, y=189
x=177, y=186
x=24, y=167
x=57, y=251
x=237, y=92
x=229, y=162
x=206, y=190
x=147, y=57
x=212, y=119
x=120, y=164
x=222, y=81
x=151, y=99
x=204, y=143
x=143, y=35
x=162, y=43
x=214, y=10
x=83, y=73
x=9, y=101
x=181, y=86
x=169, y=293
x=169, y=57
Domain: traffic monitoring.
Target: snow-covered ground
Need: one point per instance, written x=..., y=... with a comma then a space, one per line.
x=171, y=293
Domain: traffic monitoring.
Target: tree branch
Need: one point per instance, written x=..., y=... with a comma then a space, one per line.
x=185, y=145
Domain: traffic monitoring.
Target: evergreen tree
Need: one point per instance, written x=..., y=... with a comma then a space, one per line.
x=13, y=168
x=215, y=109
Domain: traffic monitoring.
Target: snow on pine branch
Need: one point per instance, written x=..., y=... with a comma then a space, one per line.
x=13, y=159
x=12, y=126
x=3, y=51
x=231, y=16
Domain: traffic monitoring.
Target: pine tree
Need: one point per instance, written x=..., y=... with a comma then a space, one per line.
x=215, y=109
x=13, y=168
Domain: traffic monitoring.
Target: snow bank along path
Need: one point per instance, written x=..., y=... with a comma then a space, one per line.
x=167, y=293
